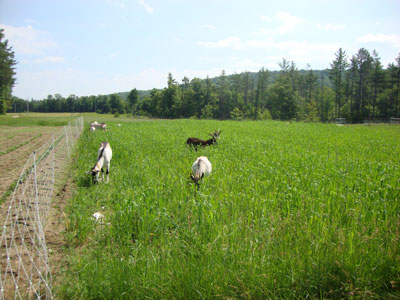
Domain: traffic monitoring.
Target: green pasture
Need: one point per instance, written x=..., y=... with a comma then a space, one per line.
x=37, y=119
x=290, y=211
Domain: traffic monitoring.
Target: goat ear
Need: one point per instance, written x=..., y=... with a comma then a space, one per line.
x=191, y=176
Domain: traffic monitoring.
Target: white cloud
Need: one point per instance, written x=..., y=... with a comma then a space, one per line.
x=295, y=48
x=247, y=64
x=393, y=39
x=27, y=40
x=229, y=42
x=332, y=27
x=267, y=19
x=146, y=6
x=285, y=22
x=301, y=52
x=289, y=22
x=50, y=59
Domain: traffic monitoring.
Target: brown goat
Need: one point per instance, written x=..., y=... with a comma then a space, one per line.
x=194, y=142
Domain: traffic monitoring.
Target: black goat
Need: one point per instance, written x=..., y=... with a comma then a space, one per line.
x=194, y=142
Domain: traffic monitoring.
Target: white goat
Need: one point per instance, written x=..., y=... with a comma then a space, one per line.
x=104, y=156
x=96, y=124
x=200, y=168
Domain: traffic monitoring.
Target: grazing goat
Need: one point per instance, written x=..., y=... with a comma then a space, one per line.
x=104, y=156
x=194, y=142
x=200, y=168
x=96, y=124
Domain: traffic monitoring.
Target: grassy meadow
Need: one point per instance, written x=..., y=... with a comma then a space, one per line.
x=290, y=211
x=37, y=119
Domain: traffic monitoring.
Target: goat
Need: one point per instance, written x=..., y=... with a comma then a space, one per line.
x=200, y=168
x=96, y=124
x=104, y=156
x=103, y=126
x=194, y=142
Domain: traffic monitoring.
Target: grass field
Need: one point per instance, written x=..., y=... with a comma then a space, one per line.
x=37, y=119
x=290, y=211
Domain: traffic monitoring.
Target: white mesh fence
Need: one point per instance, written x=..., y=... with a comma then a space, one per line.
x=24, y=262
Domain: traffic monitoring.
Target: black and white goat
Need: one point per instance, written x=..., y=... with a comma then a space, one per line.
x=104, y=156
x=96, y=125
x=200, y=168
x=194, y=142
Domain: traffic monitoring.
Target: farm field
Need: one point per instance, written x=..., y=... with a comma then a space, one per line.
x=20, y=135
x=290, y=211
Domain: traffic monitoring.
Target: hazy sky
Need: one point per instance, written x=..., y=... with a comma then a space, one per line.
x=93, y=47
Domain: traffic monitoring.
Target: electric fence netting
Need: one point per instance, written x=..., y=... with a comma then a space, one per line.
x=25, y=272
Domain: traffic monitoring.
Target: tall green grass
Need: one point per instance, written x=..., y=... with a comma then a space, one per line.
x=290, y=211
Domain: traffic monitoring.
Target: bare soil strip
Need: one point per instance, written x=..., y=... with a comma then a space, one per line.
x=25, y=241
x=12, y=162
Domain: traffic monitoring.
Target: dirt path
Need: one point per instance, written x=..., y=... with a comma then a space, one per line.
x=54, y=228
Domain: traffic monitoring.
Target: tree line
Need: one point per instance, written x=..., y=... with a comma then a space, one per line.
x=357, y=89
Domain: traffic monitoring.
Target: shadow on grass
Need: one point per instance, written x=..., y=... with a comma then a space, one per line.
x=85, y=181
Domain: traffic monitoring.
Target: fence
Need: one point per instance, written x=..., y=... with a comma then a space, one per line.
x=24, y=258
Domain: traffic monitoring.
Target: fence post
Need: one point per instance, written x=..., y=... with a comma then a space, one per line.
x=66, y=139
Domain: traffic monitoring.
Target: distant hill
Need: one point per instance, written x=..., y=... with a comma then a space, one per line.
x=272, y=77
x=141, y=93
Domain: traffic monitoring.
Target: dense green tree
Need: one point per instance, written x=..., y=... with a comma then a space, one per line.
x=224, y=96
x=262, y=84
x=281, y=104
x=336, y=74
x=364, y=66
x=116, y=104
x=103, y=105
x=170, y=106
x=377, y=83
x=133, y=98
x=7, y=73
x=397, y=93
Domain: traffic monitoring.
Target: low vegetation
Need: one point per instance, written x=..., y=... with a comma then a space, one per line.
x=37, y=119
x=290, y=211
x=15, y=147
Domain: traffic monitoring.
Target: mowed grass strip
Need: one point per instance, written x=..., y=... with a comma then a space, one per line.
x=37, y=119
x=290, y=211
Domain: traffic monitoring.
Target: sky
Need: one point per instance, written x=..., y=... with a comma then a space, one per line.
x=93, y=47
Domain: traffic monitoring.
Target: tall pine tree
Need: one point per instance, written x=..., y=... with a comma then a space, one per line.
x=7, y=73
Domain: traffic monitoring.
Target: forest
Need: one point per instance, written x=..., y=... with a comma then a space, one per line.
x=356, y=88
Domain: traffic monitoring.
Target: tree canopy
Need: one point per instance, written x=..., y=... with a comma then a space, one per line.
x=7, y=73
x=357, y=89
